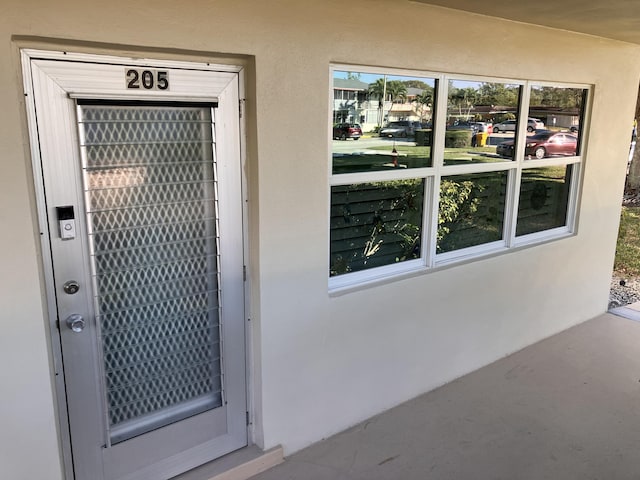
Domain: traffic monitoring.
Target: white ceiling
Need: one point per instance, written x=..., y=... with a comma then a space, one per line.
x=615, y=19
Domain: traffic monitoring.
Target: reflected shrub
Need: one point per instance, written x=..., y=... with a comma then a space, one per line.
x=458, y=138
x=375, y=224
x=423, y=137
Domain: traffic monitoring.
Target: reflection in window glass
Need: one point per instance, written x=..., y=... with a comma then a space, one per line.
x=559, y=111
x=471, y=210
x=392, y=144
x=375, y=224
x=544, y=199
x=480, y=116
x=548, y=143
x=381, y=122
x=400, y=156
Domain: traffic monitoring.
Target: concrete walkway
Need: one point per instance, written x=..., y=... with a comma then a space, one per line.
x=565, y=408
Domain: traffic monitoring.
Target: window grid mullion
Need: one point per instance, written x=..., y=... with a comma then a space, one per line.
x=513, y=191
x=572, y=209
x=439, y=125
x=431, y=217
x=379, y=176
x=437, y=157
x=523, y=119
x=511, y=206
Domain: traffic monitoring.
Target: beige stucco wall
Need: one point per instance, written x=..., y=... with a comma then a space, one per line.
x=320, y=363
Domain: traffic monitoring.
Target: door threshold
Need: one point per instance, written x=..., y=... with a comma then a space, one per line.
x=239, y=465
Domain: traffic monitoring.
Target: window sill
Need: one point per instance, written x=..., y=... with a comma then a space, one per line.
x=357, y=281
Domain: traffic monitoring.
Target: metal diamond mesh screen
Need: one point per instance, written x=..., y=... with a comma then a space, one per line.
x=149, y=176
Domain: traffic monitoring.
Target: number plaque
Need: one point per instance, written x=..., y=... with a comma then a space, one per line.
x=146, y=79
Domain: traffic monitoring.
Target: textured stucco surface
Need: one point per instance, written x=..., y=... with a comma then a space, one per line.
x=319, y=364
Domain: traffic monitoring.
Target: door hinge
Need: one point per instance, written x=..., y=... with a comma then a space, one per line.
x=248, y=423
x=58, y=323
x=244, y=273
x=241, y=106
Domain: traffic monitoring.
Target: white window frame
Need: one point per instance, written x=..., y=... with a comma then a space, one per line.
x=429, y=260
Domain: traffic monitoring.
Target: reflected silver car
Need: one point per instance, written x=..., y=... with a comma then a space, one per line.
x=510, y=125
x=402, y=128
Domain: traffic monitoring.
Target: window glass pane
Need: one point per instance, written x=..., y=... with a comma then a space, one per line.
x=480, y=116
x=554, y=124
x=375, y=224
x=544, y=199
x=381, y=122
x=471, y=210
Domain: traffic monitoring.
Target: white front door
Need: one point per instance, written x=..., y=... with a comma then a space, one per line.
x=141, y=174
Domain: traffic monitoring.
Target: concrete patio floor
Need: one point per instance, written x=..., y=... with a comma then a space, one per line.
x=565, y=408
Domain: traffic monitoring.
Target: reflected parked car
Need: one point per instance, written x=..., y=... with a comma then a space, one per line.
x=475, y=126
x=510, y=125
x=402, y=128
x=461, y=126
x=483, y=127
x=343, y=131
x=543, y=144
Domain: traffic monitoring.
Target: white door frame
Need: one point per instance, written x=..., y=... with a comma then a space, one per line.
x=28, y=55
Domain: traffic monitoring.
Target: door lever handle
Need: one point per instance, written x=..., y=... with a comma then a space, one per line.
x=75, y=322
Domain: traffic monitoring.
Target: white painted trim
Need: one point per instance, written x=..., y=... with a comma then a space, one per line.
x=126, y=60
x=374, y=275
x=194, y=82
x=380, y=176
x=51, y=315
x=108, y=81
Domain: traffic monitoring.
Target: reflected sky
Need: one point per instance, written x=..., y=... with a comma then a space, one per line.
x=372, y=77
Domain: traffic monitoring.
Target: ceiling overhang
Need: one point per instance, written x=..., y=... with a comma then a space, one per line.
x=612, y=19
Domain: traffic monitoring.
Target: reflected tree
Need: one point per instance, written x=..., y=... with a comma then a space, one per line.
x=392, y=90
x=425, y=102
x=463, y=100
x=498, y=94
x=557, y=97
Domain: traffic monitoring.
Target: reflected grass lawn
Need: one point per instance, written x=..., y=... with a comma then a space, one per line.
x=366, y=162
x=453, y=156
x=410, y=156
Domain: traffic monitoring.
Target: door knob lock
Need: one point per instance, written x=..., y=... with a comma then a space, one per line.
x=75, y=322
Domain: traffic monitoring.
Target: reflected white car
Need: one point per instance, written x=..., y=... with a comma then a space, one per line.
x=510, y=125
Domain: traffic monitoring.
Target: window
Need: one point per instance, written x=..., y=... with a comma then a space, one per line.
x=375, y=224
x=451, y=168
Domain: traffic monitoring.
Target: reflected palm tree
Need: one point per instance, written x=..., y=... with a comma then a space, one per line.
x=383, y=90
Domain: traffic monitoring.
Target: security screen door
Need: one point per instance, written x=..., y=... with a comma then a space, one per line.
x=144, y=207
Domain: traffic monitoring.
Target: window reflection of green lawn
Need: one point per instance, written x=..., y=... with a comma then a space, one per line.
x=410, y=157
x=451, y=155
x=383, y=161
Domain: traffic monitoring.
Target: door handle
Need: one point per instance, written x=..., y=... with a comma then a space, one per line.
x=75, y=322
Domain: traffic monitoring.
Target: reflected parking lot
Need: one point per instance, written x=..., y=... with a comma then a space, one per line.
x=365, y=143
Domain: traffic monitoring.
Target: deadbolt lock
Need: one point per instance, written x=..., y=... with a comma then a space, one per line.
x=71, y=287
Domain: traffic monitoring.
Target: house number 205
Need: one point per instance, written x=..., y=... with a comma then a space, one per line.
x=147, y=79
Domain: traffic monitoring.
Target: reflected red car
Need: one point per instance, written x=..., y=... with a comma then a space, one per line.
x=543, y=144
x=343, y=131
